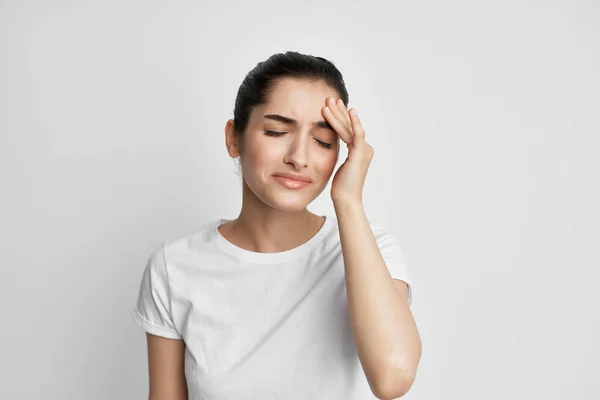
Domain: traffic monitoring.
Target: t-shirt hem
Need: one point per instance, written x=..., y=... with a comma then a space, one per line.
x=153, y=328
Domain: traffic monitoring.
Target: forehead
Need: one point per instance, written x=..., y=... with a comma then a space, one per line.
x=297, y=98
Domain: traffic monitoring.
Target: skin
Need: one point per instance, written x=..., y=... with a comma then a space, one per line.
x=274, y=218
x=269, y=211
x=166, y=368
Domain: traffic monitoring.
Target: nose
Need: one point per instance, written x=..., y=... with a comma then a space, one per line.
x=297, y=153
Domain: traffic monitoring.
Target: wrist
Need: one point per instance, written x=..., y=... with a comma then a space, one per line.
x=343, y=204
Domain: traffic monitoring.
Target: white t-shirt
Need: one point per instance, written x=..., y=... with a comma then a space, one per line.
x=260, y=325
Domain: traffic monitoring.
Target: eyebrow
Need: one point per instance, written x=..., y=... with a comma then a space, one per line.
x=291, y=121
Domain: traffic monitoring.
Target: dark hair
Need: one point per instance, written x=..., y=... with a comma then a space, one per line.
x=259, y=82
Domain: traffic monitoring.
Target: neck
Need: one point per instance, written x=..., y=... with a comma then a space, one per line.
x=264, y=229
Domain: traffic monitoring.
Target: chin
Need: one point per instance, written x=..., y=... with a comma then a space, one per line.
x=286, y=200
x=288, y=204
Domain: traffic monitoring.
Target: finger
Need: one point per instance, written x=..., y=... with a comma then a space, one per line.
x=357, y=127
x=339, y=113
x=344, y=110
x=337, y=125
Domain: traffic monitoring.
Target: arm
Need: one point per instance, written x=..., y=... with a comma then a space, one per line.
x=166, y=368
x=385, y=333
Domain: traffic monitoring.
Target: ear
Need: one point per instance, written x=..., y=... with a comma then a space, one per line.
x=231, y=140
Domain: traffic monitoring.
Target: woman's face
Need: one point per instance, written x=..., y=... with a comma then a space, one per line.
x=308, y=146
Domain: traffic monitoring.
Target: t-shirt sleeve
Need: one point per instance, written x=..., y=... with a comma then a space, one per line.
x=153, y=308
x=392, y=255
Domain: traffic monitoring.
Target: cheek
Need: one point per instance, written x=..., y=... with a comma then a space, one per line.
x=327, y=164
x=261, y=155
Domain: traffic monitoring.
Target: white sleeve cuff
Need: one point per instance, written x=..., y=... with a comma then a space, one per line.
x=152, y=328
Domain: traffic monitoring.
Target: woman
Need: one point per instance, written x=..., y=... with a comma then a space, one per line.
x=281, y=303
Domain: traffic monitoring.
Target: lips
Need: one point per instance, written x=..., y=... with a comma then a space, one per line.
x=290, y=183
x=295, y=177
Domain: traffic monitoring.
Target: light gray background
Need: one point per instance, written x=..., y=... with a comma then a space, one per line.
x=484, y=121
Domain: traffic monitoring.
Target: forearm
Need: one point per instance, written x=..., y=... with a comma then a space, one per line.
x=383, y=327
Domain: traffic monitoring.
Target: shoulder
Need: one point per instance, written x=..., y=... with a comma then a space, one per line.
x=190, y=240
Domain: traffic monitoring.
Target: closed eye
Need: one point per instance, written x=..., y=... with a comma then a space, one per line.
x=276, y=134
x=271, y=133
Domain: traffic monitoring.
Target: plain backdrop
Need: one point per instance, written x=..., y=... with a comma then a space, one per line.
x=483, y=117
